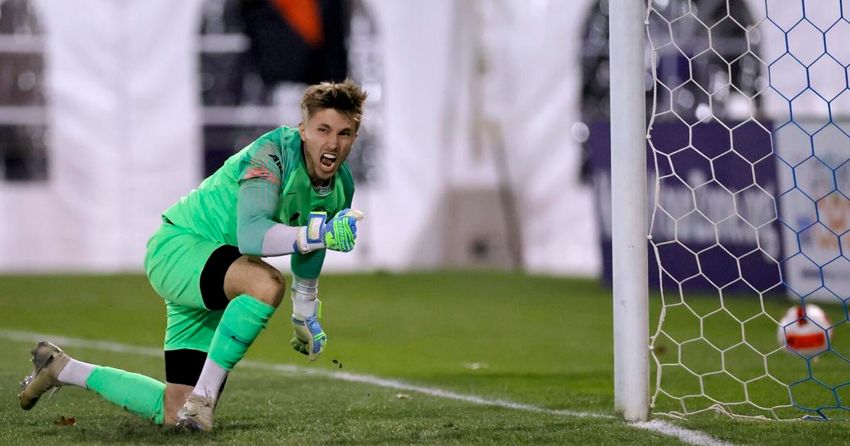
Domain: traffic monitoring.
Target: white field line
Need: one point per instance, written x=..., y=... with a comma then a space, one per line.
x=661, y=427
x=685, y=435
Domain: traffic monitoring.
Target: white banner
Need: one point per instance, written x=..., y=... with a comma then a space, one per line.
x=124, y=134
x=815, y=210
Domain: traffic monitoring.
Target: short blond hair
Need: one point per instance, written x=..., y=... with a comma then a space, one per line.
x=345, y=97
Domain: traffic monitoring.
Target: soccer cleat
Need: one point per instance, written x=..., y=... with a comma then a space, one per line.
x=47, y=360
x=309, y=338
x=196, y=413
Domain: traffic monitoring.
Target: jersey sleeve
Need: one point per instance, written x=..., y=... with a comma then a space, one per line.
x=260, y=178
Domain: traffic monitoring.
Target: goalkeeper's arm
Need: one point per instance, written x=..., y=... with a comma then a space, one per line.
x=258, y=234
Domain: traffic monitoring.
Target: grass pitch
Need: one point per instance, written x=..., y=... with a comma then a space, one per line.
x=535, y=341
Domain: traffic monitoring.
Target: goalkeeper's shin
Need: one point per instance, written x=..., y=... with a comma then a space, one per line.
x=136, y=393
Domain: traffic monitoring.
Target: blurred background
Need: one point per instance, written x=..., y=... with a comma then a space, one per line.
x=485, y=141
x=470, y=153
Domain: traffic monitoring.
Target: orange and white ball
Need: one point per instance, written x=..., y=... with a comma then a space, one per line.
x=805, y=330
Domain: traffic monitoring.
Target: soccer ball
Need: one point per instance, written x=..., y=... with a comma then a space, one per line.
x=805, y=330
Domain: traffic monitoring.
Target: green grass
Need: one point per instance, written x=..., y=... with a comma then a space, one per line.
x=539, y=341
x=700, y=334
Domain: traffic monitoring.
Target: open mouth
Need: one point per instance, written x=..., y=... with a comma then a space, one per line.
x=328, y=160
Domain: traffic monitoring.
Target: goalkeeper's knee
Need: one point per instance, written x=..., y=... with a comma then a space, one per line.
x=257, y=279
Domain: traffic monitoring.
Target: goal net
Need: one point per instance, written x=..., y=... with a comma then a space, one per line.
x=749, y=152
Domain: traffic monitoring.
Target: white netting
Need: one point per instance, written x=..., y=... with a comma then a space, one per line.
x=748, y=136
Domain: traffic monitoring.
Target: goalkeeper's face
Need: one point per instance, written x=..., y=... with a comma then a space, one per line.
x=328, y=136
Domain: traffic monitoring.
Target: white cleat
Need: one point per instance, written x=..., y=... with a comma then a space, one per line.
x=47, y=360
x=196, y=413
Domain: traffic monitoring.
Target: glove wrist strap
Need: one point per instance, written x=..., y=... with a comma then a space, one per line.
x=311, y=237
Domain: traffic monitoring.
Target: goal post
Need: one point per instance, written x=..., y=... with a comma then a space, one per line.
x=629, y=209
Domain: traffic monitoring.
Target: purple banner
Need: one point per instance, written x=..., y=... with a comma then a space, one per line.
x=715, y=225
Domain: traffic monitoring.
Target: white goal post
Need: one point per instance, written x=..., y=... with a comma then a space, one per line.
x=629, y=206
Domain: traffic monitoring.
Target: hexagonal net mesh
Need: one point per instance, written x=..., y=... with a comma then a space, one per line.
x=749, y=147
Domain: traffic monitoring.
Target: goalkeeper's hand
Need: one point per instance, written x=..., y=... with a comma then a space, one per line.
x=309, y=338
x=338, y=234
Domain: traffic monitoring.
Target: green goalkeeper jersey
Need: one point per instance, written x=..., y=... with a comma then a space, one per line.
x=263, y=184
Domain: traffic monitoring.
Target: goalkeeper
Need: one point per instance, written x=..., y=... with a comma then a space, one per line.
x=287, y=193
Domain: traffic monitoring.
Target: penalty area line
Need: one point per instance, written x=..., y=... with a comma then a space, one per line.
x=662, y=427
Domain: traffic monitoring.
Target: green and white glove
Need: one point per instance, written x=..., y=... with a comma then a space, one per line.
x=309, y=338
x=338, y=234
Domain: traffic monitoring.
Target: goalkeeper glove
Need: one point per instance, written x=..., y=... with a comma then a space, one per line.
x=309, y=338
x=338, y=234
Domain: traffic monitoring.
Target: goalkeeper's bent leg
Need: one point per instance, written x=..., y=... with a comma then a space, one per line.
x=139, y=394
x=253, y=290
x=243, y=320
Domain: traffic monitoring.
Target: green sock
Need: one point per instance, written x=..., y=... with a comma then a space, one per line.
x=137, y=393
x=242, y=321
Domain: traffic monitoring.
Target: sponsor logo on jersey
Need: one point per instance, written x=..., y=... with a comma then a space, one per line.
x=276, y=160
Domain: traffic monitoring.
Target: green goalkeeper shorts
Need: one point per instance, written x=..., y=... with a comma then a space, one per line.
x=187, y=271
